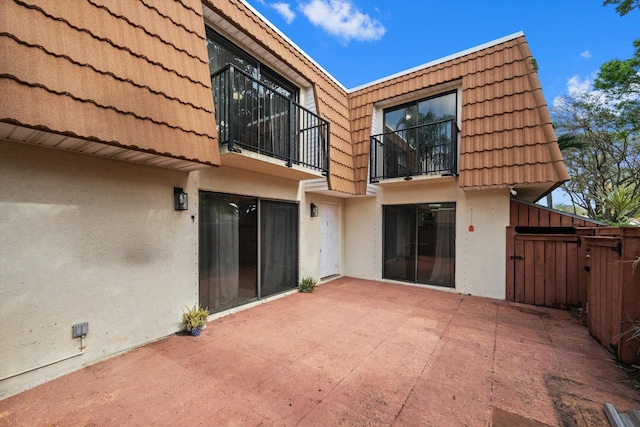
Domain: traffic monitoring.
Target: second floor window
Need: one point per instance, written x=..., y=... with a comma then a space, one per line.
x=222, y=52
x=419, y=138
x=419, y=113
x=256, y=109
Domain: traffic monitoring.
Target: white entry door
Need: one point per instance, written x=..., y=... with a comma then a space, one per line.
x=328, y=240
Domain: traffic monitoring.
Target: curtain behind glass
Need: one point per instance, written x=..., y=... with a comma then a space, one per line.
x=279, y=246
x=219, y=251
x=444, y=267
x=399, y=242
x=419, y=243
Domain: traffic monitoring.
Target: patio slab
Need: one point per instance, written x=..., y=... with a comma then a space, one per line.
x=353, y=353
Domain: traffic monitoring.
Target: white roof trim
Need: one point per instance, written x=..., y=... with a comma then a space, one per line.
x=274, y=28
x=393, y=76
x=441, y=60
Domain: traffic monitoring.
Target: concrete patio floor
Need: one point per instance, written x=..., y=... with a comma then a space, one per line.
x=353, y=353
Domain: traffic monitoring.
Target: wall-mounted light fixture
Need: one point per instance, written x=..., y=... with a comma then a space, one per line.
x=314, y=210
x=180, y=199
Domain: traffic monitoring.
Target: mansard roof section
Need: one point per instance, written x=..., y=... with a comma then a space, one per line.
x=131, y=76
x=438, y=61
x=246, y=26
x=506, y=135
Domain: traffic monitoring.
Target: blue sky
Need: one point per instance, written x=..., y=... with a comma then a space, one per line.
x=359, y=41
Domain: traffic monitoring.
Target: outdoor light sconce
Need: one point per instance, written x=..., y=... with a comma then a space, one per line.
x=180, y=200
x=314, y=210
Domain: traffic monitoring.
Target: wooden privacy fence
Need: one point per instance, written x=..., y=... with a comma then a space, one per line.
x=560, y=260
x=614, y=289
x=544, y=270
x=546, y=257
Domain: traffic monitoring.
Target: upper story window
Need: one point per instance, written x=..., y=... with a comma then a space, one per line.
x=421, y=112
x=222, y=52
x=420, y=138
x=257, y=110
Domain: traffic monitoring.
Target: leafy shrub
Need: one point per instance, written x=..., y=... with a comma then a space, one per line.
x=195, y=318
x=307, y=284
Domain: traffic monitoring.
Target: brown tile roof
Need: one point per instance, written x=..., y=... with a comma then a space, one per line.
x=134, y=75
x=506, y=133
x=332, y=103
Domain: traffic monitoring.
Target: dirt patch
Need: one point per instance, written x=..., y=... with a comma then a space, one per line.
x=502, y=418
x=571, y=404
x=371, y=410
x=530, y=310
x=580, y=314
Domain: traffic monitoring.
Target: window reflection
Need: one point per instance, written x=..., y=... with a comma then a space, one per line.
x=222, y=52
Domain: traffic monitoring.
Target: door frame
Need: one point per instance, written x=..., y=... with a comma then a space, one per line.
x=322, y=209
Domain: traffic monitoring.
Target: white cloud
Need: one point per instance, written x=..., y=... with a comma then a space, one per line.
x=575, y=85
x=340, y=18
x=284, y=9
x=586, y=54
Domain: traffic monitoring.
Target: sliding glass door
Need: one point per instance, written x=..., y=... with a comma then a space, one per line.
x=419, y=243
x=279, y=247
x=238, y=234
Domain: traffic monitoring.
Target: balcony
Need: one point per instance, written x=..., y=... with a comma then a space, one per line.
x=424, y=150
x=255, y=117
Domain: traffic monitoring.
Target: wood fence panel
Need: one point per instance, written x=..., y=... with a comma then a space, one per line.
x=630, y=295
x=519, y=291
x=540, y=265
x=510, y=270
x=572, y=275
x=560, y=279
x=544, y=219
x=614, y=290
x=529, y=273
x=548, y=274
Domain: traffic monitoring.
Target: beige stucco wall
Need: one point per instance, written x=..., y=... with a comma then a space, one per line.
x=87, y=239
x=480, y=255
x=244, y=182
x=310, y=241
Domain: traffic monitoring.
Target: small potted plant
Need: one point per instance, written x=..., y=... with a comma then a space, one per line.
x=307, y=284
x=195, y=319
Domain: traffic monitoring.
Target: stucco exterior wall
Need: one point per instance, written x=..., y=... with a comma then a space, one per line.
x=480, y=255
x=245, y=183
x=310, y=234
x=87, y=239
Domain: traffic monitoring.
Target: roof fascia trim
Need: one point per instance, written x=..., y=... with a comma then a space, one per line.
x=393, y=76
x=440, y=60
x=288, y=40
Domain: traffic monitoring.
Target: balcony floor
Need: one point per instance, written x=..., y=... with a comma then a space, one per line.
x=354, y=352
x=249, y=160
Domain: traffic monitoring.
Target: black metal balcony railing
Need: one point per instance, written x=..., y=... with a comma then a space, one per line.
x=430, y=149
x=253, y=116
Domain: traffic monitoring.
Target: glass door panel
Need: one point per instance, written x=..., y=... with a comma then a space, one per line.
x=419, y=243
x=228, y=250
x=279, y=247
x=399, y=242
x=436, y=242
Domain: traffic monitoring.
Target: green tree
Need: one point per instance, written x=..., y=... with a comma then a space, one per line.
x=603, y=154
x=623, y=203
x=598, y=134
x=623, y=6
x=621, y=77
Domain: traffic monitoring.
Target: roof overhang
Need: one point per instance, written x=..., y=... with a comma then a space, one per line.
x=15, y=133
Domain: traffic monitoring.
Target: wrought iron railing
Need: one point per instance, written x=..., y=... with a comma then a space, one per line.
x=430, y=149
x=253, y=116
